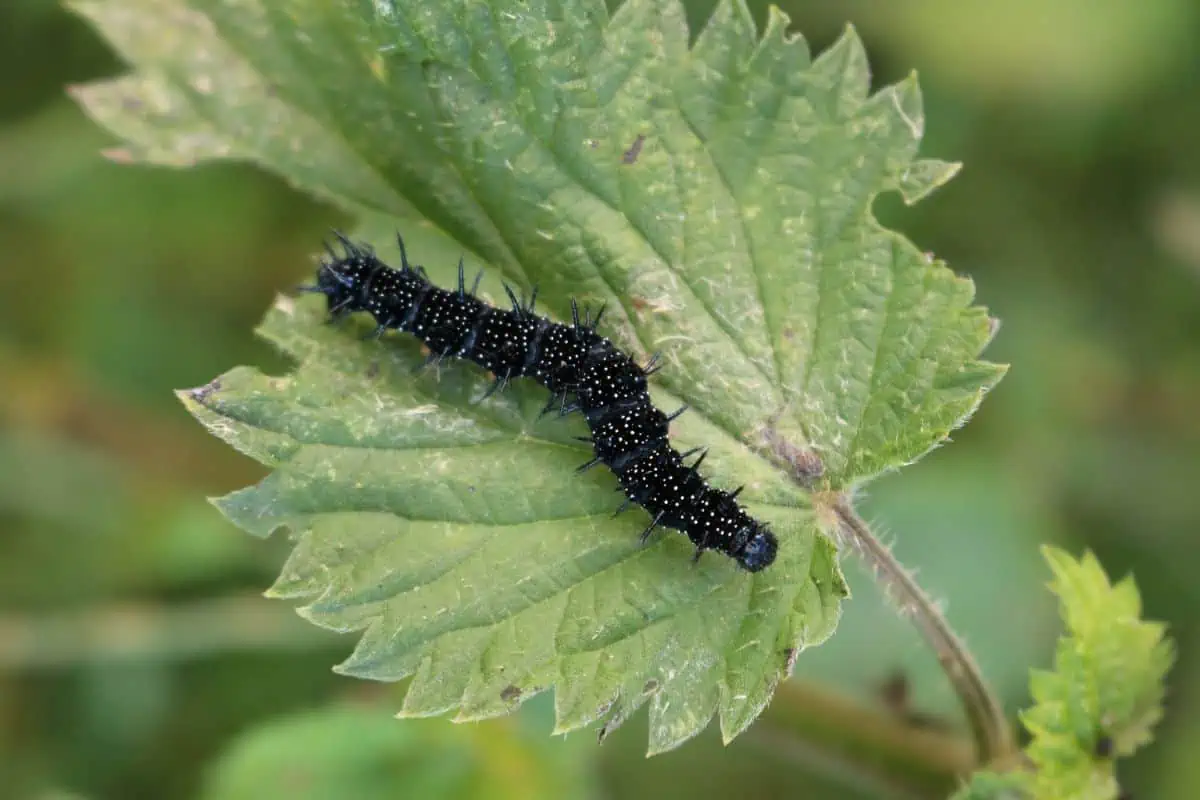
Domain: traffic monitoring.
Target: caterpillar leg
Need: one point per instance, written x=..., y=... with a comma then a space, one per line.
x=588, y=465
x=433, y=359
x=650, y=528
x=379, y=331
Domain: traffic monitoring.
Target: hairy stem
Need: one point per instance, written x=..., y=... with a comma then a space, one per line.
x=989, y=727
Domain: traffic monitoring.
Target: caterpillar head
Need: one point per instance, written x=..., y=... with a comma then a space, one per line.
x=343, y=278
x=337, y=283
x=760, y=548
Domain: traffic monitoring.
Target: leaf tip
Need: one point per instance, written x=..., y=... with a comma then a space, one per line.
x=285, y=304
x=994, y=325
x=924, y=176
x=198, y=395
x=777, y=19
x=843, y=72
x=1060, y=560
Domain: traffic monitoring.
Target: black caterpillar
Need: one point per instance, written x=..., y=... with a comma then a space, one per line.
x=629, y=435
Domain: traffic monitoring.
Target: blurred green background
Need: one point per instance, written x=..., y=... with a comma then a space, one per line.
x=136, y=657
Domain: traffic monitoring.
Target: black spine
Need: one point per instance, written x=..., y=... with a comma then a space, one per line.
x=629, y=435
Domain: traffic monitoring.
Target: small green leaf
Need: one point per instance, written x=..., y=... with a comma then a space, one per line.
x=1105, y=693
x=717, y=198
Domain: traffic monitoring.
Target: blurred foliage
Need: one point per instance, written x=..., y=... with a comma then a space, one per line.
x=1105, y=694
x=357, y=752
x=1102, y=699
x=1077, y=214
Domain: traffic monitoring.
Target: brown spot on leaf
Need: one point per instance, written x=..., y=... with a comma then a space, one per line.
x=804, y=463
x=202, y=393
x=610, y=725
x=651, y=686
x=510, y=693
x=630, y=156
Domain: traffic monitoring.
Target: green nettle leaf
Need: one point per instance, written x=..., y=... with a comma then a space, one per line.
x=716, y=196
x=1106, y=690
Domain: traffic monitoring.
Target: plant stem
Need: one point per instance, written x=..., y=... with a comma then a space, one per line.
x=989, y=727
x=882, y=753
